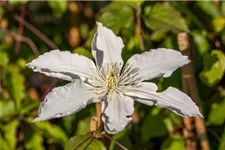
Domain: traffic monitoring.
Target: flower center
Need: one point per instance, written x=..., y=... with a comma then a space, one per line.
x=112, y=81
x=113, y=77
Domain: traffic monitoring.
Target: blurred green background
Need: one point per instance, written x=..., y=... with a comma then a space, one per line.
x=71, y=26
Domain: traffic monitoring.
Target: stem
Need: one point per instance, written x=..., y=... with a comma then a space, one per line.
x=139, y=29
x=21, y=27
x=35, y=31
x=84, y=141
x=98, y=107
x=23, y=39
x=120, y=145
x=49, y=88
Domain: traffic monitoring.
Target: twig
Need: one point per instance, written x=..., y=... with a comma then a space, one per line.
x=84, y=141
x=21, y=27
x=216, y=136
x=139, y=29
x=120, y=145
x=23, y=39
x=35, y=31
x=49, y=88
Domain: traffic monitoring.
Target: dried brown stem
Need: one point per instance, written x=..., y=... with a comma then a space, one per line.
x=35, y=31
x=120, y=145
x=22, y=39
x=21, y=27
x=49, y=88
x=216, y=136
x=190, y=88
x=83, y=142
x=139, y=29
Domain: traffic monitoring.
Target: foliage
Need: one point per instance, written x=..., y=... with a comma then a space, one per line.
x=71, y=26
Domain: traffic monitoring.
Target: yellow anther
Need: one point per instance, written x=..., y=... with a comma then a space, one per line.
x=112, y=81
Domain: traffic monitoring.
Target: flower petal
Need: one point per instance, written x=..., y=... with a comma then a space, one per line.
x=106, y=46
x=63, y=65
x=116, y=112
x=171, y=98
x=140, y=92
x=158, y=62
x=65, y=100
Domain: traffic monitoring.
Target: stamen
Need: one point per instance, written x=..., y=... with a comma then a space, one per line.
x=112, y=77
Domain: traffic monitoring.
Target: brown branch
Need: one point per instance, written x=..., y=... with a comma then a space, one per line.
x=139, y=29
x=190, y=88
x=21, y=27
x=35, y=31
x=216, y=136
x=83, y=142
x=22, y=39
x=49, y=88
x=120, y=145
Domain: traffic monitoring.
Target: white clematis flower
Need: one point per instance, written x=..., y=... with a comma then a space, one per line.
x=110, y=81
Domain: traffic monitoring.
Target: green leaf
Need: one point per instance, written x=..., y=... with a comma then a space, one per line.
x=201, y=43
x=28, y=107
x=157, y=35
x=1, y=12
x=174, y=80
x=10, y=133
x=58, y=7
x=217, y=115
x=173, y=143
x=18, y=2
x=170, y=42
x=83, y=126
x=163, y=17
x=117, y=4
x=116, y=16
x=190, y=17
x=4, y=59
x=4, y=144
x=83, y=51
x=153, y=125
x=7, y=108
x=209, y=8
x=133, y=42
x=53, y=132
x=222, y=8
x=15, y=84
x=123, y=138
x=68, y=123
x=22, y=63
x=222, y=144
x=214, y=66
x=33, y=141
x=91, y=144
x=218, y=24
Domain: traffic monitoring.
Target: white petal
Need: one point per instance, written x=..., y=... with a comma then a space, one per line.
x=106, y=46
x=116, y=112
x=65, y=100
x=140, y=92
x=171, y=98
x=63, y=65
x=158, y=62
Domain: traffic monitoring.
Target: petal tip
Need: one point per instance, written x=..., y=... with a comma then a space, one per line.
x=200, y=115
x=98, y=23
x=37, y=120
